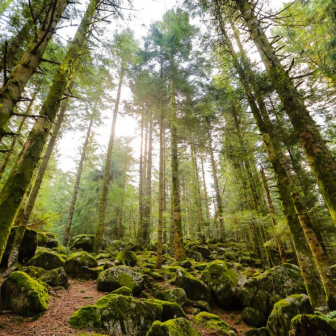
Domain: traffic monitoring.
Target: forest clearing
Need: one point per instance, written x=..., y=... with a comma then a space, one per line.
x=167, y=168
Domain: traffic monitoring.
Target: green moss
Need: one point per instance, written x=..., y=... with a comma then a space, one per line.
x=126, y=280
x=47, y=260
x=194, y=288
x=213, y=322
x=33, y=271
x=24, y=295
x=79, y=265
x=123, y=291
x=253, y=317
x=118, y=314
x=176, y=327
x=170, y=310
x=82, y=241
x=42, y=239
x=127, y=258
x=177, y=295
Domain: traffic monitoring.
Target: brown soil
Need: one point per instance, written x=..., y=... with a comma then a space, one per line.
x=55, y=321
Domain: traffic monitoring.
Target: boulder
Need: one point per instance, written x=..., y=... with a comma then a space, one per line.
x=194, y=255
x=123, y=291
x=47, y=260
x=115, y=246
x=186, y=264
x=225, y=283
x=80, y=265
x=118, y=276
x=253, y=317
x=195, y=289
x=27, y=247
x=278, y=323
x=127, y=258
x=201, y=305
x=203, y=250
x=82, y=241
x=176, y=327
x=170, y=310
x=34, y=272
x=24, y=295
x=257, y=332
x=214, y=323
x=52, y=240
x=42, y=239
x=177, y=295
x=56, y=277
x=263, y=291
x=118, y=314
x=312, y=325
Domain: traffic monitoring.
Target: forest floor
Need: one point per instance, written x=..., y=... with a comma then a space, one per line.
x=64, y=302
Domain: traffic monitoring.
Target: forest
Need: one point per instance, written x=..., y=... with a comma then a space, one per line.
x=168, y=168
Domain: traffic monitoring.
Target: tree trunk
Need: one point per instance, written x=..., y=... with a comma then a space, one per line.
x=22, y=219
x=222, y=234
x=319, y=156
x=30, y=60
x=17, y=183
x=106, y=178
x=141, y=179
x=67, y=231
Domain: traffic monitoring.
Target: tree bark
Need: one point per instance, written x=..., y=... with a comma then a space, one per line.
x=17, y=183
x=106, y=178
x=30, y=60
x=67, y=231
x=319, y=156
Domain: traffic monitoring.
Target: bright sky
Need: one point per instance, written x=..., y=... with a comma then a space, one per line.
x=147, y=12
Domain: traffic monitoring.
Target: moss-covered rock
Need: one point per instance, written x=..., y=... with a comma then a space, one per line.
x=52, y=240
x=312, y=325
x=116, y=277
x=194, y=255
x=214, y=323
x=176, y=327
x=253, y=317
x=47, y=260
x=225, y=283
x=61, y=250
x=170, y=310
x=257, y=332
x=278, y=323
x=203, y=250
x=24, y=295
x=177, y=295
x=27, y=247
x=34, y=272
x=153, y=274
x=203, y=306
x=82, y=241
x=80, y=265
x=56, y=277
x=263, y=291
x=115, y=246
x=186, y=264
x=169, y=271
x=127, y=258
x=42, y=239
x=118, y=314
x=194, y=288
x=123, y=291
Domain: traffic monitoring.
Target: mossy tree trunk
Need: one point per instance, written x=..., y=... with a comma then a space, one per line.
x=141, y=177
x=106, y=178
x=30, y=60
x=67, y=230
x=319, y=156
x=20, y=177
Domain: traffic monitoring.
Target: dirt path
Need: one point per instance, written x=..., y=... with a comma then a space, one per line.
x=55, y=321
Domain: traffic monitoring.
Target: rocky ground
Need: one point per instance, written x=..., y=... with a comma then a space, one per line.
x=221, y=289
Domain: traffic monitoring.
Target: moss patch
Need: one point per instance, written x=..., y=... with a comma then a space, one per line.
x=176, y=327
x=214, y=323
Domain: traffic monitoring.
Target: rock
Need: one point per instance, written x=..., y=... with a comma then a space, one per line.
x=186, y=264
x=170, y=310
x=115, y=246
x=195, y=289
x=34, y=272
x=82, y=241
x=56, y=277
x=203, y=250
x=127, y=258
x=194, y=255
x=118, y=314
x=154, y=274
x=278, y=323
x=176, y=327
x=118, y=276
x=61, y=250
x=263, y=291
x=312, y=325
x=80, y=265
x=203, y=306
x=123, y=291
x=42, y=239
x=169, y=271
x=225, y=283
x=253, y=317
x=24, y=295
x=27, y=247
x=47, y=260
x=214, y=323
x=52, y=240
x=257, y=332
x=177, y=295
